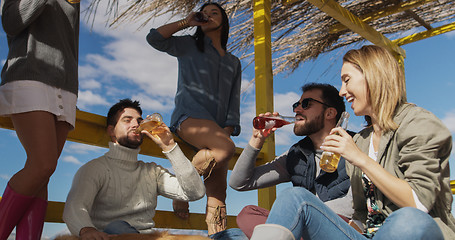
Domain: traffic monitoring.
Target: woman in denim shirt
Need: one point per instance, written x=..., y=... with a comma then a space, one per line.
x=207, y=102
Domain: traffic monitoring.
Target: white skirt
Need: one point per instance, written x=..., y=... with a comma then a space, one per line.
x=26, y=96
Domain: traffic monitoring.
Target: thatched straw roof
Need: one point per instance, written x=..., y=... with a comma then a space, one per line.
x=300, y=31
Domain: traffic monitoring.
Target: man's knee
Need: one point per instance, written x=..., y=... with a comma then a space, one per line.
x=249, y=217
x=253, y=210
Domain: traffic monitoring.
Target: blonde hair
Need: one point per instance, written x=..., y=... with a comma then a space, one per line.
x=385, y=82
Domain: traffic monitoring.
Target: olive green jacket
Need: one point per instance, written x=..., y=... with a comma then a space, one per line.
x=418, y=152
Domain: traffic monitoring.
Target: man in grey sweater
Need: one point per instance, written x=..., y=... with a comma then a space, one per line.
x=116, y=193
x=317, y=112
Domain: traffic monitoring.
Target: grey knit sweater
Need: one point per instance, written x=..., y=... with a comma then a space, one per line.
x=117, y=186
x=43, y=40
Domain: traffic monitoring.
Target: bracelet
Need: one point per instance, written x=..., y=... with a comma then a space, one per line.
x=183, y=24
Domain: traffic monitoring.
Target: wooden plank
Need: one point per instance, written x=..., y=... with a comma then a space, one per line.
x=335, y=10
x=399, y=7
x=163, y=219
x=425, y=34
x=91, y=129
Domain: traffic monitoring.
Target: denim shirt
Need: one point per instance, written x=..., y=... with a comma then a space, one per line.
x=208, y=83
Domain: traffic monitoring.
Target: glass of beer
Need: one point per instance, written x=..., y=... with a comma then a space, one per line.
x=329, y=161
x=151, y=124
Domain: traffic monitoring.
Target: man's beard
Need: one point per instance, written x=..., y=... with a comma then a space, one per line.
x=310, y=127
x=129, y=142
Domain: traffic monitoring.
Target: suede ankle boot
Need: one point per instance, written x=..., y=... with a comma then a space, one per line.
x=12, y=207
x=271, y=232
x=30, y=226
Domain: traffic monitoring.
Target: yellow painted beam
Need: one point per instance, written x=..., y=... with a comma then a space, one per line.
x=264, y=83
x=399, y=7
x=163, y=219
x=425, y=34
x=452, y=186
x=286, y=2
x=345, y=17
x=91, y=129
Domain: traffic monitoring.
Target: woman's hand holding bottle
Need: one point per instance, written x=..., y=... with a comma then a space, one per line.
x=194, y=19
x=340, y=142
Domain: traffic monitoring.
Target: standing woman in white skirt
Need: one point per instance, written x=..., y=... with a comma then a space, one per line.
x=38, y=92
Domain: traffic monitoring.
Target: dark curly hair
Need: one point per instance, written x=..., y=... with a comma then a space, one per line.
x=122, y=104
x=329, y=96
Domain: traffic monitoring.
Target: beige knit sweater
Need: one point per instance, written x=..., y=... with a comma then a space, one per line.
x=117, y=186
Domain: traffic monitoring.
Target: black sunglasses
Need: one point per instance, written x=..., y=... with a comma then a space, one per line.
x=305, y=103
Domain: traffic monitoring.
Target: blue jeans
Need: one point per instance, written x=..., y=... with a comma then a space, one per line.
x=307, y=216
x=229, y=234
x=119, y=227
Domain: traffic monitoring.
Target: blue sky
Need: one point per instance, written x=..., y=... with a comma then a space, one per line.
x=116, y=63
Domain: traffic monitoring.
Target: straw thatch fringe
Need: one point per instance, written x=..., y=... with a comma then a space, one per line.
x=299, y=30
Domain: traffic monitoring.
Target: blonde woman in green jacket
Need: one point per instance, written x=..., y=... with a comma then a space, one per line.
x=398, y=165
x=401, y=159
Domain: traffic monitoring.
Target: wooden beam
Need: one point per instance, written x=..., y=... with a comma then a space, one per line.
x=91, y=129
x=335, y=10
x=286, y=2
x=418, y=19
x=163, y=219
x=264, y=83
x=399, y=7
x=425, y=34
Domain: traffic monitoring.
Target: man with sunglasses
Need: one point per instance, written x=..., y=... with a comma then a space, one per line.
x=316, y=113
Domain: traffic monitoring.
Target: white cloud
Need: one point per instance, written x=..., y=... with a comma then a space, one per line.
x=247, y=86
x=88, y=98
x=283, y=102
x=89, y=84
x=86, y=71
x=356, y=127
x=154, y=104
x=450, y=34
x=13, y=134
x=79, y=148
x=126, y=57
x=112, y=91
x=71, y=159
x=284, y=136
x=63, y=232
x=449, y=121
x=5, y=176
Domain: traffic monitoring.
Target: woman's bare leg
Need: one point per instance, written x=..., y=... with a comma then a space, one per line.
x=210, y=138
x=213, y=141
x=43, y=138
